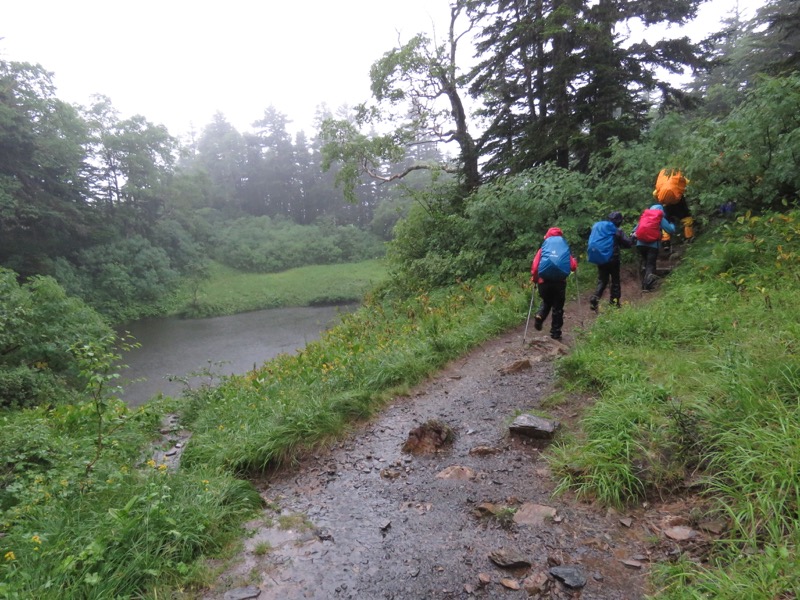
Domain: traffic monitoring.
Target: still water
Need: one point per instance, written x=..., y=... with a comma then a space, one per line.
x=179, y=347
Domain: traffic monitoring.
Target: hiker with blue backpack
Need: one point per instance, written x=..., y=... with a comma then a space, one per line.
x=551, y=266
x=605, y=242
x=648, y=234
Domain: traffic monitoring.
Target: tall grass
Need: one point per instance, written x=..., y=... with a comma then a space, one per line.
x=259, y=420
x=705, y=380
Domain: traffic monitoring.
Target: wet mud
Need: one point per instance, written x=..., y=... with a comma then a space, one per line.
x=365, y=519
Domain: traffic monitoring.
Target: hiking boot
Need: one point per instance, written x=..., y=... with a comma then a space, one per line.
x=593, y=302
x=537, y=322
x=555, y=336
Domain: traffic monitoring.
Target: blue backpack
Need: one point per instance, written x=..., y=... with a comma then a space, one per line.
x=601, y=242
x=555, y=259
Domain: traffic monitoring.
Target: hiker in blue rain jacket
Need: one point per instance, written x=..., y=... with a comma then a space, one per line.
x=648, y=244
x=610, y=270
x=552, y=291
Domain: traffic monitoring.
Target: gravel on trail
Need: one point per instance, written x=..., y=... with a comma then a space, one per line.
x=474, y=517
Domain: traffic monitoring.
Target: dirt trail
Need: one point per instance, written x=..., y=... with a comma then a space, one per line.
x=364, y=520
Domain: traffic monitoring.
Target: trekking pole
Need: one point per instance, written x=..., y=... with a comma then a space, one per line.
x=530, y=308
x=577, y=290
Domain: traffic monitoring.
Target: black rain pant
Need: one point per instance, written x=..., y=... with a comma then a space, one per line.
x=648, y=256
x=606, y=272
x=553, y=295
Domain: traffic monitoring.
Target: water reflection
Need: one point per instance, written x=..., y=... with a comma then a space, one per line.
x=178, y=347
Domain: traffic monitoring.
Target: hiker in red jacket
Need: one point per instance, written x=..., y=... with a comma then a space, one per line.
x=551, y=266
x=648, y=241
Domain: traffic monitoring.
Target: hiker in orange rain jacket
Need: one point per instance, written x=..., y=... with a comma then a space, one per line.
x=553, y=288
x=670, y=193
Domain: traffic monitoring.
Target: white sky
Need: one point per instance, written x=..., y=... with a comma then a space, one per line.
x=178, y=62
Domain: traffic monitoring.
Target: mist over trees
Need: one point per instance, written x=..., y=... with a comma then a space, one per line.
x=120, y=212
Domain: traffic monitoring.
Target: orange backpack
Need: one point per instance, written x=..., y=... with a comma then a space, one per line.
x=670, y=186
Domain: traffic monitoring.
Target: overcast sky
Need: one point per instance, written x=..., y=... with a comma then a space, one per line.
x=178, y=62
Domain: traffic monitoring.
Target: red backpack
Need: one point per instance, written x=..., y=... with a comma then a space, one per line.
x=649, y=228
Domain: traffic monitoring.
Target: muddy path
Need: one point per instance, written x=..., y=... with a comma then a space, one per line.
x=366, y=520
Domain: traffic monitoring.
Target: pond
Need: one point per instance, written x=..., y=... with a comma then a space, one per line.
x=224, y=345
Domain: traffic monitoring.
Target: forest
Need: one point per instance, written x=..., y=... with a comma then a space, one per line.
x=103, y=219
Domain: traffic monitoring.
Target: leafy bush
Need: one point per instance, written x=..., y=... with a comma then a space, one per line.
x=502, y=226
x=39, y=324
x=26, y=386
x=264, y=245
x=123, y=280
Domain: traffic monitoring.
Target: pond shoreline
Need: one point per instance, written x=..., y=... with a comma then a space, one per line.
x=175, y=352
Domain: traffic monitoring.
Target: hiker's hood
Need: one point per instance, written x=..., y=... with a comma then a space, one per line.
x=657, y=207
x=553, y=232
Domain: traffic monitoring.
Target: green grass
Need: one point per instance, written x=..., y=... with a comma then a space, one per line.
x=704, y=381
x=229, y=291
x=257, y=421
x=132, y=528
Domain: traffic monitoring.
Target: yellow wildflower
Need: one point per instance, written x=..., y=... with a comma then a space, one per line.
x=36, y=539
x=10, y=556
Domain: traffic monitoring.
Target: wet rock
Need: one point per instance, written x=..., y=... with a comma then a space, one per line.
x=484, y=451
x=571, y=577
x=458, y=473
x=515, y=367
x=715, y=527
x=534, y=515
x=549, y=348
x=485, y=509
x=536, y=584
x=681, y=533
x=555, y=559
x=508, y=559
x=244, y=593
x=534, y=427
x=428, y=437
x=511, y=584
x=632, y=563
x=391, y=473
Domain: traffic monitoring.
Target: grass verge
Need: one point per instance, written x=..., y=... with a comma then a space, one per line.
x=705, y=381
x=229, y=291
